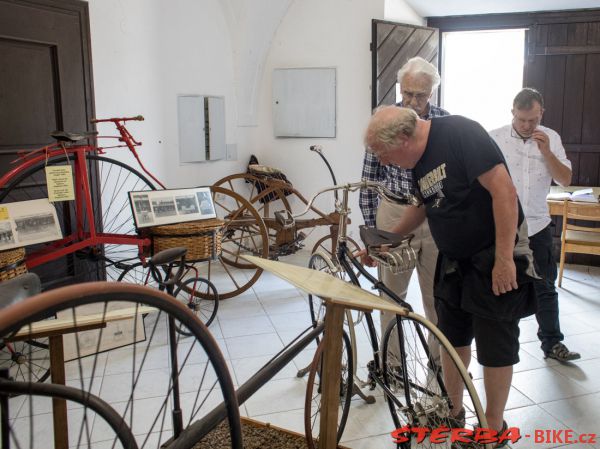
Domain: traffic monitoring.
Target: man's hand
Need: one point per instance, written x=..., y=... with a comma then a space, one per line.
x=504, y=276
x=365, y=259
x=542, y=140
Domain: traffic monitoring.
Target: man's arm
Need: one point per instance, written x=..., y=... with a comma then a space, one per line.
x=560, y=172
x=505, y=208
x=368, y=198
x=412, y=217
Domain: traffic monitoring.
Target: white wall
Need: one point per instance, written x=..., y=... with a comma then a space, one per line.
x=400, y=11
x=145, y=53
x=317, y=33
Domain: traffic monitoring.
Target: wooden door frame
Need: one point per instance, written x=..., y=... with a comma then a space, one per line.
x=80, y=8
x=374, y=53
x=511, y=20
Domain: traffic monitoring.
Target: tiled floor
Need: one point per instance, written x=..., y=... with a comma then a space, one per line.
x=255, y=325
x=544, y=395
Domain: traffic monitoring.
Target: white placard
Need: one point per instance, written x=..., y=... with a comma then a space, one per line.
x=28, y=222
x=161, y=207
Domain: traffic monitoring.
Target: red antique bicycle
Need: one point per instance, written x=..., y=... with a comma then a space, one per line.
x=98, y=228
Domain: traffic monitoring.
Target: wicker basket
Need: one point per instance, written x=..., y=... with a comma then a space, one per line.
x=201, y=238
x=12, y=263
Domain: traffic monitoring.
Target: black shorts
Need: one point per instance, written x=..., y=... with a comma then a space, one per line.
x=497, y=342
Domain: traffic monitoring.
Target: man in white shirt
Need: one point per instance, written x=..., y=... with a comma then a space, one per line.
x=535, y=155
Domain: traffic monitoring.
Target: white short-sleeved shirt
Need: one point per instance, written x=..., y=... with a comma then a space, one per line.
x=529, y=172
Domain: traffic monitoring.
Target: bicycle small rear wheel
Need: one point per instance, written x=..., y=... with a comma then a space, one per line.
x=425, y=401
x=26, y=361
x=312, y=404
x=200, y=296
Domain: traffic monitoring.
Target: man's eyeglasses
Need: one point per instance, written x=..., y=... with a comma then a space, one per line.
x=419, y=96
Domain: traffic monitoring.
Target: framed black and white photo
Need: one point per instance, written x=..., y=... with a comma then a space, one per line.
x=28, y=222
x=161, y=207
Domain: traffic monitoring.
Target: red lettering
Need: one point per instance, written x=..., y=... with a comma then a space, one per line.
x=569, y=436
x=592, y=439
x=401, y=435
x=439, y=435
x=485, y=436
x=421, y=433
x=512, y=434
x=458, y=435
x=556, y=436
x=538, y=436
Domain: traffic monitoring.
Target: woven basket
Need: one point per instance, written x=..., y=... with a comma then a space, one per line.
x=201, y=238
x=12, y=263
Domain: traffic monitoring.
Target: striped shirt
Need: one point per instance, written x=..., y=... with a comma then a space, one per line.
x=398, y=180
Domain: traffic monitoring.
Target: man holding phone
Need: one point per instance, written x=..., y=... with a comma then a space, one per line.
x=535, y=156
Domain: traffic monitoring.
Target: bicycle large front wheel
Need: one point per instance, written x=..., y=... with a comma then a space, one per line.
x=418, y=395
x=120, y=344
x=110, y=181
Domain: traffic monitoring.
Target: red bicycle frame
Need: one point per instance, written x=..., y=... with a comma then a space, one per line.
x=81, y=238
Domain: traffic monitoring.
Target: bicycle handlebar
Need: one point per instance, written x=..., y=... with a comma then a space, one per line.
x=354, y=186
x=137, y=118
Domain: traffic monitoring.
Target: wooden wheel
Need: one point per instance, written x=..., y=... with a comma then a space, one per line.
x=267, y=197
x=257, y=191
x=244, y=233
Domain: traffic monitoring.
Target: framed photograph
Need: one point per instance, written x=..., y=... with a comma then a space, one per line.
x=28, y=222
x=161, y=207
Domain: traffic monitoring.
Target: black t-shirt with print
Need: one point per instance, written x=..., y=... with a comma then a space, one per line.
x=459, y=208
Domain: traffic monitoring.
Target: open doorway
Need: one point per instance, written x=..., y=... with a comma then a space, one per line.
x=482, y=71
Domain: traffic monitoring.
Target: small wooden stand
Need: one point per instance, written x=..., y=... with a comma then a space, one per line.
x=54, y=331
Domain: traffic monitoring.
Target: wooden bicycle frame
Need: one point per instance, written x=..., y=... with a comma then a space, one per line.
x=81, y=238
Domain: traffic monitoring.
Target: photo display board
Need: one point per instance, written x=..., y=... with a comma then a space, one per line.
x=162, y=207
x=28, y=222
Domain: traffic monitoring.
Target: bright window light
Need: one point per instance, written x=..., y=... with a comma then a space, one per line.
x=482, y=72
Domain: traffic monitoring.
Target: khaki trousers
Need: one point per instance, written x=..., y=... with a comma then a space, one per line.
x=388, y=215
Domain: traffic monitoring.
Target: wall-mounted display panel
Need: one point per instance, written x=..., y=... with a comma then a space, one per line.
x=304, y=102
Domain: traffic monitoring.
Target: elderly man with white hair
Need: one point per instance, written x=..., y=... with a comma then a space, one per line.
x=418, y=80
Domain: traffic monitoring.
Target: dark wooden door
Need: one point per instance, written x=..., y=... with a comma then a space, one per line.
x=45, y=85
x=563, y=63
x=392, y=44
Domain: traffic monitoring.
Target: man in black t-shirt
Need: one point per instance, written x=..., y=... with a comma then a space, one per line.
x=483, y=280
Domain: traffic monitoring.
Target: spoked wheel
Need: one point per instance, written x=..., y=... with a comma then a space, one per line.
x=123, y=349
x=112, y=180
x=267, y=198
x=198, y=294
x=244, y=233
x=26, y=360
x=421, y=398
x=96, y=411
x=322, y=262
x=312, y=405
x=327, y=245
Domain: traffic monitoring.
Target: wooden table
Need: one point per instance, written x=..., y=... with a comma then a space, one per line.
x=556, y=206
x=54, y=331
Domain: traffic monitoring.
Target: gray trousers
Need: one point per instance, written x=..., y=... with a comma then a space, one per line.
x=388, y=215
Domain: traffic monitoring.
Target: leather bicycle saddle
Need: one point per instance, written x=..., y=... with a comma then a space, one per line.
x=373, y=237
